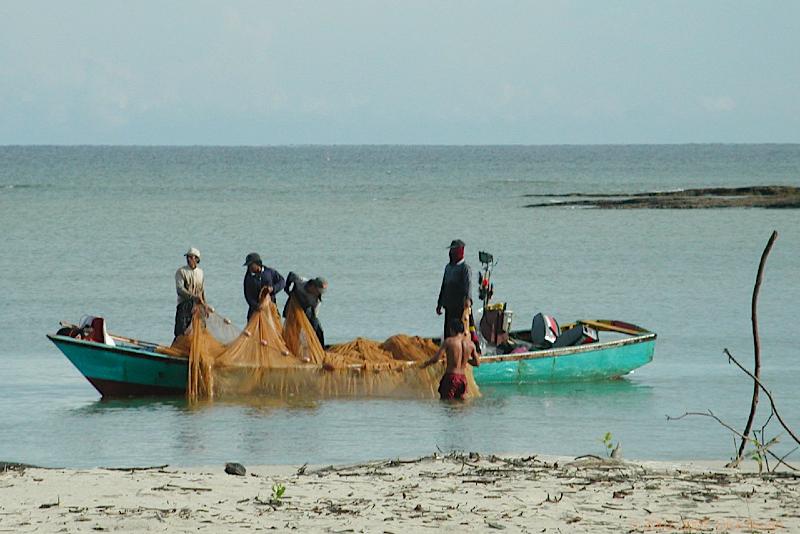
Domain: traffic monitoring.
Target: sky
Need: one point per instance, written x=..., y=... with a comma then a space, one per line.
x=404, y=72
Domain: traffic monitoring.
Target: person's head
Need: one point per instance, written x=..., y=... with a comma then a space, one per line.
x=253, y=262
x=317, y=286
x=456, y=250
x=192, y=257
x=455, y=326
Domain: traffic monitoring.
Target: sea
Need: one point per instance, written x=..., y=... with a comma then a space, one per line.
x=100, y=230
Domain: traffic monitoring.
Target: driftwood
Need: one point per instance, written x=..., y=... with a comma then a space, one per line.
x=134, y=469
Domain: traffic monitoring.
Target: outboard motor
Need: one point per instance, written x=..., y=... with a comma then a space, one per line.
x=544, y=331
x=579, y=334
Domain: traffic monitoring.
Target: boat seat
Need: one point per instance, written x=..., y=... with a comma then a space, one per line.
x=97, y=331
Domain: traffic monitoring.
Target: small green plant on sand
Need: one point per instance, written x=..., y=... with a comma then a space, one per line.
x=608, y=443
x=757, y=456
x=277, y=493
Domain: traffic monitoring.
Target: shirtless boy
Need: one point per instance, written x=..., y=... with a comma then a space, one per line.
x=459, y=351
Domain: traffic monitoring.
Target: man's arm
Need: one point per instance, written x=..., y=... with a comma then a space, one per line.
x=291, y=280
x=439, y=304
x=435, y=358
x=180, y=286
x=474, y=359
x=276, y=281
x=202, y=295
x=466, y=283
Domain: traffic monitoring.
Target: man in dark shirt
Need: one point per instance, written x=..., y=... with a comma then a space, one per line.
x=258, y=277
x=309, y=295
x=454, y=296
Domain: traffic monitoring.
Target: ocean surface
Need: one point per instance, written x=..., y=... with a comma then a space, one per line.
x=101, y=230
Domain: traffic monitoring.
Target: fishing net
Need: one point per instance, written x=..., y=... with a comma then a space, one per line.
x=287, y=361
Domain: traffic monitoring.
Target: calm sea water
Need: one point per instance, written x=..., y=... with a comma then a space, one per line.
x=101, y=230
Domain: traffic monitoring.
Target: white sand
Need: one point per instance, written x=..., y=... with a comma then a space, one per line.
x=452, y=493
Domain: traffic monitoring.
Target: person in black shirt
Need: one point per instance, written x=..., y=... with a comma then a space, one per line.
x=309, y=296
x=258, y=277
x=455, y=294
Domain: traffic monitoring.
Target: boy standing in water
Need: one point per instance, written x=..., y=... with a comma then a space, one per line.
x=459, y=351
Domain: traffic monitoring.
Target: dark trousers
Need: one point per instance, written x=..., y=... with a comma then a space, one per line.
x=183, y=317
x=315, y=324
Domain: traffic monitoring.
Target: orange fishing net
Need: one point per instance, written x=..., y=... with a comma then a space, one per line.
x=288, y=361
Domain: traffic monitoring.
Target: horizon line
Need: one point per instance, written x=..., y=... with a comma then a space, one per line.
x=410, y=145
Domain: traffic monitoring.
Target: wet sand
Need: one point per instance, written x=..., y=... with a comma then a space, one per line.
x=435, y=493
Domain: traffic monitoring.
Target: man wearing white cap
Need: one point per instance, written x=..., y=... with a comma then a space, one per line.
x=189, y=285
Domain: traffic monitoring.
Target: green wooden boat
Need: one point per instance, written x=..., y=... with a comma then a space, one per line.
x=130, y=368
x=632, y=348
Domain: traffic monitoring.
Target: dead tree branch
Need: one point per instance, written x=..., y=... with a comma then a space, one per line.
x=767, y=393
x=760, y=448
x=756, y=342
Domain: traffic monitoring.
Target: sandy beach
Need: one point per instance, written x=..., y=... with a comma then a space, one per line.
x=449, y=493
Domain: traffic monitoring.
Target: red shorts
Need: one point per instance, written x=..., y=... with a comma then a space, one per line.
x=452, y=386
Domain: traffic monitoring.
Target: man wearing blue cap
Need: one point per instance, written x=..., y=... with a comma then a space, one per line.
x=258, y=277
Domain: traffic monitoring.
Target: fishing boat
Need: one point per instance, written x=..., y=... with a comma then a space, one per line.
x=119, y=366
x=548, y=352
x=588, y=361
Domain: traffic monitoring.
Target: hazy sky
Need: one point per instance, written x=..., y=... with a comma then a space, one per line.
x=443, y=72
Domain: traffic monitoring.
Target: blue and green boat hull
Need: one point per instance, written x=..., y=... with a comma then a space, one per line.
x=595, y=361
x=125, y=371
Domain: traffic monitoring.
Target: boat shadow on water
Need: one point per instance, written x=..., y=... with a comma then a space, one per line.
x=181, y=405
x=589, y=389
x=490, y=394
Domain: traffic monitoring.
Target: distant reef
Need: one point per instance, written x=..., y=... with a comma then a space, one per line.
x=764, y=196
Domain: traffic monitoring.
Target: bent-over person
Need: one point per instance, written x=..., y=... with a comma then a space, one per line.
x=459, y=350
x=308, y=294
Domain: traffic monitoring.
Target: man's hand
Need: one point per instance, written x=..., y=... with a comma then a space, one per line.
x=438, y=310
x=269, y=289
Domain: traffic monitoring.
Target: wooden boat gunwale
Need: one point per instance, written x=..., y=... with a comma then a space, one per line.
x=140, y=349
x=130, y=349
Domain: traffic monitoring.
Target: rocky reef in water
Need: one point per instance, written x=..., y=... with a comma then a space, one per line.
x=766, y=196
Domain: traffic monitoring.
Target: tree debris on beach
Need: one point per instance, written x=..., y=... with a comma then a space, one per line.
x=439, y=491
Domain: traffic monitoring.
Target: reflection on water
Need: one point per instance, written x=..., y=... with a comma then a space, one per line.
x=599, y=388
x=534, y=418
x=143, y=404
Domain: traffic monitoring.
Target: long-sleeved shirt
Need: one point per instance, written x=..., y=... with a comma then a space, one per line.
x=254, y=282
x=455, y=285
x=296, y=285
x=189, y=283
